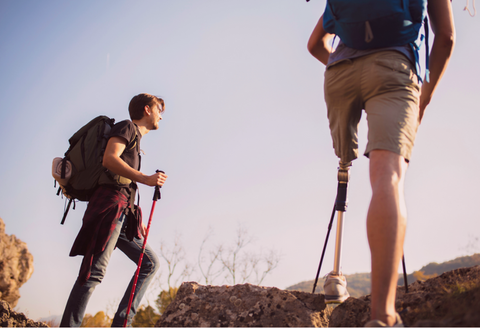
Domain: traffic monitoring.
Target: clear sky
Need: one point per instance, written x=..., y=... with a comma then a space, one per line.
x=244, y=139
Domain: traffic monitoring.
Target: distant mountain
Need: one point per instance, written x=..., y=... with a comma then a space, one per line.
x=358, y=284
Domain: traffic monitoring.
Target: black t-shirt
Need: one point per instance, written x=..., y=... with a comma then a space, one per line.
x=128, y=131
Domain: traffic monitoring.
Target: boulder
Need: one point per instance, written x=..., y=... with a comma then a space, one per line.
x=16, y=266
x=243, y=305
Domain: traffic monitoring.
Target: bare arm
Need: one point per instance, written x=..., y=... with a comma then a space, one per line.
x=441, y=20
x=318, y=44
x=113, y=162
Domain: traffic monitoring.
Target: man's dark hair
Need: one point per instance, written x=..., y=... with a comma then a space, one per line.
x=138, y=103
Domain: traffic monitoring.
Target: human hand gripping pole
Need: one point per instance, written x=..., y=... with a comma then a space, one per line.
x=156, y=196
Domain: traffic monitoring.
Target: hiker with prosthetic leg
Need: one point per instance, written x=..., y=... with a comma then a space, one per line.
x=109, y=210
x=384, y=81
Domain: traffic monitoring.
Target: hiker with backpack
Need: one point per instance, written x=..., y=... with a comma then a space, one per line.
x=375, y=68
x=111, y=220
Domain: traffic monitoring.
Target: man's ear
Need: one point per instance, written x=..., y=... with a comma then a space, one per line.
x=147, y=109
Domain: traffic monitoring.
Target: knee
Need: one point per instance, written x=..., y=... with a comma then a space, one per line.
x=152, y=264
x=87, y=286
x=387, y=170
x=95, y=279
x=96, y=275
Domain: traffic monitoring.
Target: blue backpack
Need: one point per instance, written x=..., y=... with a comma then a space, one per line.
x=372, y=24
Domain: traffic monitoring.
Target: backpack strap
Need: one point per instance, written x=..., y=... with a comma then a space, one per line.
x=67, y=209
x=133, y=191
x=133, y=143
x=416, y=48
x=133, y=215
x=427, y=50
x=137, y=144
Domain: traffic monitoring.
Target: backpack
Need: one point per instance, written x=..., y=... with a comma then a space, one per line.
x=372, y=24
x=80, y=171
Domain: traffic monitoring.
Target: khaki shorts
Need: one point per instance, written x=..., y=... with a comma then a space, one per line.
x=385, y=85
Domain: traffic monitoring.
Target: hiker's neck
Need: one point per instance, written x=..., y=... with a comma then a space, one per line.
x=142, y=126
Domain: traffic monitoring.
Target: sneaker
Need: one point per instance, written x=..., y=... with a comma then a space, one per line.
x=335, y=288
x=378, y=323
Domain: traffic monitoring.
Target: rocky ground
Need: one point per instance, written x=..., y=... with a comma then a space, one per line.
x=452, y=299
x=449, y=300
x=10, y=318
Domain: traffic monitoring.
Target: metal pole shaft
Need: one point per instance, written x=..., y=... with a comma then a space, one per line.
x=404, y=274
x=338, y=243
x=130, y=301
x=324, y=248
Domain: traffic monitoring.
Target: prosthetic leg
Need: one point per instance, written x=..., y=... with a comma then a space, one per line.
x=340, y=207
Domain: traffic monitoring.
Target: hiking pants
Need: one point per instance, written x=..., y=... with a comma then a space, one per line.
x=80, y=294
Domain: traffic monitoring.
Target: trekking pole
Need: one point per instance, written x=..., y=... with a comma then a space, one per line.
x=405, y=274
x=324, y=247
x=340, y=207
x=156, y=196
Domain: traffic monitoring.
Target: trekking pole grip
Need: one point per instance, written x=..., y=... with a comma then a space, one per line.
x=156, y=194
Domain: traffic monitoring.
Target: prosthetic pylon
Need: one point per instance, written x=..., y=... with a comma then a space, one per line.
x=341, y=204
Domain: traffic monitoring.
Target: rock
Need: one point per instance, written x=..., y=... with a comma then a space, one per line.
x=16, y=266
x=451, y=299
x=9, y=318
x=351, y=313
x=243, y=306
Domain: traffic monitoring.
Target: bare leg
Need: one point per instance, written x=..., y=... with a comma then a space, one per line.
x=386, y=225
